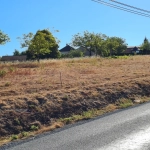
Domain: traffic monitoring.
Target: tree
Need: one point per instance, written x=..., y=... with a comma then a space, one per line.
x=90, y=41
x=16, y=53
x=3, y=38
x=145, y=40
x=122, y=45
x=43, y=45
x=115, y=46
x=145, y=47
x=75, y=53
x=25, y=41
x=23, y=53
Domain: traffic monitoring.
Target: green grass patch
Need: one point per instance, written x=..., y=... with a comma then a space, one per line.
x=121, y=57
x=34, y=128
x=124, y=103
x=14, y=137
x=2, y=73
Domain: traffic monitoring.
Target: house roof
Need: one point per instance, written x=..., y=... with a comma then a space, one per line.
x=133, y=46
x=13, y=58
x=67, y=48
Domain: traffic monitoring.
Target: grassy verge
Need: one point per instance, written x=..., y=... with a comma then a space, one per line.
x=59, y=123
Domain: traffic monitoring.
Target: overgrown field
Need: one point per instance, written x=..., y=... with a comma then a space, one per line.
x=36, y=95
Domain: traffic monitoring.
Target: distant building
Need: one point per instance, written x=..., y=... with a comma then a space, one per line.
x=132, y=50
x=86, y=52
x=14, y=58
x=66, y=49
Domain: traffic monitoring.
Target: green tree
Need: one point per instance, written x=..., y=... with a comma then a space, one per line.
x=23, y=53
x=25, y=41
x=145, y=47
x=75, y=53
x=16, y=53
x=90, y=41
x=43, y=45
x=122, y=45
x=3, y=38
x=115, y=46
x=145, y=40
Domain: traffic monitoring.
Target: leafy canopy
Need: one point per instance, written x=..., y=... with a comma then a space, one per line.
x=25, y=41
x=99, y=43
x=43, y=43
x=145, y=45
x=90, y=41
x=16, y=53
x=115, y=45
x=3, y=38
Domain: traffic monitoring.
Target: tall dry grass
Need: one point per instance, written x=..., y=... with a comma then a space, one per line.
x=57, y=88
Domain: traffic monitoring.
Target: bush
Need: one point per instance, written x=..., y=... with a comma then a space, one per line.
x=72, y=54
x=14, y=137
x=34, y=128
x=24, y=134
x=2, y=73
x=75, y=53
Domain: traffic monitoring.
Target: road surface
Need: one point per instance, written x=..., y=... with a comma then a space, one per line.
x=127, y=129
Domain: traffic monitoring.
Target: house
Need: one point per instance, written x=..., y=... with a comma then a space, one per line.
x=86, y=52
x=14, y=58
x=132, y=50
x=66, y=49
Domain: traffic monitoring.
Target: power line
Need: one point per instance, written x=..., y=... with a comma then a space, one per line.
x=122, y=8
x=130, y=6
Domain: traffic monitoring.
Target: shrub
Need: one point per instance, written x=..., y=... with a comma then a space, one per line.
x=2, y=73
x=75, y=53
x=14, y=137
x=124, y=103
x=11, y=69
x=34, y=128
x=24, y=134
x=7, y=84
x=72, y=54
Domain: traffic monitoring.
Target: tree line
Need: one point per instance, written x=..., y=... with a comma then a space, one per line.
x=44, y=45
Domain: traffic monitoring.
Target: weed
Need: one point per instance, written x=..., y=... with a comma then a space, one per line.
x=17, y=121
x=124, y=103
x=88, y=114
x=14, y=137
x=11, y=69
x=24, y=134
x=7, y=84
x=34, y=128
x=67, y=120
x=32, y=106
x=2, y=73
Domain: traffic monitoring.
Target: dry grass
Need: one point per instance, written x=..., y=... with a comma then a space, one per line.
x=54, y=89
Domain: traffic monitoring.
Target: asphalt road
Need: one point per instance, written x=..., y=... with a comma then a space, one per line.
x=127, y=129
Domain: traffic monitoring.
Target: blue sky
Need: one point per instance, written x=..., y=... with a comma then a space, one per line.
x=70, y=17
